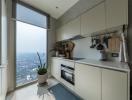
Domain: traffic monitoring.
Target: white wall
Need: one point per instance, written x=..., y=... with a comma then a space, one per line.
x=4, y=34
x=82, y=49
x=3, y=48
x=51, y=41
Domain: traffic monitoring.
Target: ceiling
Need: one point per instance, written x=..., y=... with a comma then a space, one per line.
x=55, y=8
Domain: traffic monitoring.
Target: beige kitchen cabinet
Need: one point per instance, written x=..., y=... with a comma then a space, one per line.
x=93, y=20
x=116, y=12
x=55, y=68
x=114, y=85
x=69, y=30
x=88, y=82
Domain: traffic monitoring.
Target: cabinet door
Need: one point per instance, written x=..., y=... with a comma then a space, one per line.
x=60, y=33
x=55, y=68
x=88, y=82
x=73, y=27
x=93, y=20
x=114, y=85
x=69, y=30
x=116, y=12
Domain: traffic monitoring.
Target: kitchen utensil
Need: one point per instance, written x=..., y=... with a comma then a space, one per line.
x=100, y=47
x=57, y=53
x=92, y=41
x=103, y=55
x=121, y=53
x=124, y=48
x=114, y=44
x=97, y=40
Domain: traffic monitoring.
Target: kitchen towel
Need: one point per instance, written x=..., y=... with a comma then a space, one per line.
x=123, y=49
x=121, y=53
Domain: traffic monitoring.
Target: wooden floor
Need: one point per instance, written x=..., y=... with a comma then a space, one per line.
x=34, y=92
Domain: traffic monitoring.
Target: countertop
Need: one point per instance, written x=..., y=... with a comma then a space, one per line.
x=114, y=65
x=120, y=66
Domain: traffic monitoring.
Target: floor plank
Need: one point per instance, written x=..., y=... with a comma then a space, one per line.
x=34, y=92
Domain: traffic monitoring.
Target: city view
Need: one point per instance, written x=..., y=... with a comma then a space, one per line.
x=26, y=67
x=30, y=39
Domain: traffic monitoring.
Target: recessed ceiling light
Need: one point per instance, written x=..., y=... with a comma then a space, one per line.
x=56, y=7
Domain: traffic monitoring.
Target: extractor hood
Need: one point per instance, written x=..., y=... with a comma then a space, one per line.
x=77, y=37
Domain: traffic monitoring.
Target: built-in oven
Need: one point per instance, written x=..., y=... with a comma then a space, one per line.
x=67, y=73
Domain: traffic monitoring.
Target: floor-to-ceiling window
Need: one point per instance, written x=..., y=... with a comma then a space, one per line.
x=31, y=37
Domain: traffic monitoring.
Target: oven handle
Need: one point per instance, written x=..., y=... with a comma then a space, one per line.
x=67, y=67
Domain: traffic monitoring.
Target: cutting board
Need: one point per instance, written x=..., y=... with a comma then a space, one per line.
x=114, y=45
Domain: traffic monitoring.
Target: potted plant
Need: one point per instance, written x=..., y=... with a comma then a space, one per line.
x=42, y=71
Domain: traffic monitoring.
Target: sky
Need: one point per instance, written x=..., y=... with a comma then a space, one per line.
x=30, y=39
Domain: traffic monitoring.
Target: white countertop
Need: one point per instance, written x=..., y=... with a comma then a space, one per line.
x=120, y=66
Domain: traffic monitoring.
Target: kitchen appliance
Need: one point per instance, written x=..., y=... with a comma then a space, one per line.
x=77, y=37
x=103, y=55
x=67, y=73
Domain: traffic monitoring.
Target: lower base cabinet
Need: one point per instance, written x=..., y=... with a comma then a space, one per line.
x=114, y=85
x=88, y=82
x=55, y=68
x=94, y=83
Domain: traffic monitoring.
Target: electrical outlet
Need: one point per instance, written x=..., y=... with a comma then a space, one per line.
x=115, y=54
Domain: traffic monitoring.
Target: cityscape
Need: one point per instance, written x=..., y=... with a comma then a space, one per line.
x=26, y=65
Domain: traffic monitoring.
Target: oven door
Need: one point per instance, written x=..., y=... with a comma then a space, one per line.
x=67, y=74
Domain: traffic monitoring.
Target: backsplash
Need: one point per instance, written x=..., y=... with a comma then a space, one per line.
x=82, y=49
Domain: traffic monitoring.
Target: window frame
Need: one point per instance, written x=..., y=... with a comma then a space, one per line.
x=14, y=6
x=48, y=26
x=0, y=27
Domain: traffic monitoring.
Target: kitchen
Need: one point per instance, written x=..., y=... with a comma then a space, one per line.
x=88, y=50
x=90, y=53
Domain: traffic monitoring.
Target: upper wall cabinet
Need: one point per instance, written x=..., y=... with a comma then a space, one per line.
x=69, y=30
x=116, y=12
x=93, y=20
